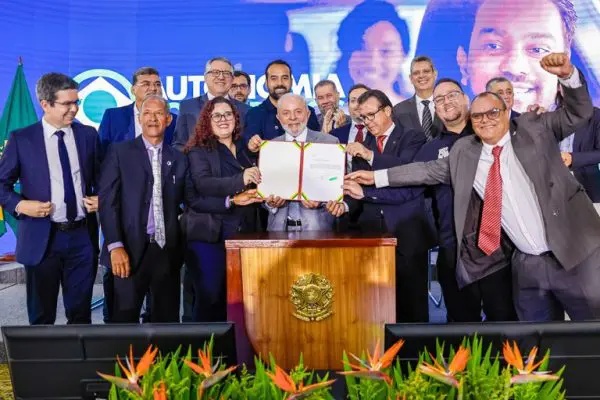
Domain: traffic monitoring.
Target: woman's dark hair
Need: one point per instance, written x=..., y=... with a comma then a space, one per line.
x=204, y=136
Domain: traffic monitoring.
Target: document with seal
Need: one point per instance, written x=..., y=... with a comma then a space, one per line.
x=296, y=171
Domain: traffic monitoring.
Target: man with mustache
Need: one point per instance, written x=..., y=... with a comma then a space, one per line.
x=56, y=162
x=218, y=76
x=240, y=88
x=527, y=192
x=262, y=120
x=503, y=88
x=328, y=98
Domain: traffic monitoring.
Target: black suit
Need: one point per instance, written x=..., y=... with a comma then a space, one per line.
x=125, y=198
x=586, y=156
x=400, y=211
x=407, y=115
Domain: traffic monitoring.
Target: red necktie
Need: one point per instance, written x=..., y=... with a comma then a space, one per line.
x=380, y=140
x=489, y=229
x=359, y=136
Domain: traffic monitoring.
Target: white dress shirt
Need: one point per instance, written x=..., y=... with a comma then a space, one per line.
x=521, y=214
x=57, y=188
x=300, y=138
x=421, y=107
x=354, y=131
x=212, y=96
x=136, y=118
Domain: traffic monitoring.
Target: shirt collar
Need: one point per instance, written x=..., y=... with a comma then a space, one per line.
x=300, y=138
x=390, y=130
x=505, y=139
x=136, y=112
x=149, y=145
x=50, y=129
x=212, y=96
x=419, y=100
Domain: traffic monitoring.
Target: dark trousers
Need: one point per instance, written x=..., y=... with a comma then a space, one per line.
x=157, y=273
x=544, y=290
x=68, y=262
x=494, y=292
x=206, y=266
x=107, y=285
x=412, y=302
x=188, y=295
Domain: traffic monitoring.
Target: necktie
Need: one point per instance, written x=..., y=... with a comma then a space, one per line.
x=427, y=120
x=380, y=140
x=360, y=136
x=157, y=201
x=70, y=198
x=489, y=230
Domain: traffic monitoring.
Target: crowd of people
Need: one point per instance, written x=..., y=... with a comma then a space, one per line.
x=509, y=200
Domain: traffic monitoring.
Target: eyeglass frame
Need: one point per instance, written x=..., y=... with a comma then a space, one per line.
x=217, y=72
x=222, y=117
x=69, y=103
x=240, y=86
x=371, y=116
x=480, y=115
x=452, y=95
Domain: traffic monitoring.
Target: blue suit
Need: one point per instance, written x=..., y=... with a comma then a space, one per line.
x=40, y=245
x=586, y=156
x=189, y=111
x=343, y=133
x=125, y=192
x=118, y=125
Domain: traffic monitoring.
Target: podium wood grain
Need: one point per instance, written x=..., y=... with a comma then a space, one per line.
x=260, y=274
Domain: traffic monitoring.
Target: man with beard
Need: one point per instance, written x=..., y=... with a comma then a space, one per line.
x=56, y=162
x=261, y=120
x=304, y=215
x=418, y=112
x=503, y=88
x=328, y=98
x=240, y=88
x=493, y=291
x=218, y=76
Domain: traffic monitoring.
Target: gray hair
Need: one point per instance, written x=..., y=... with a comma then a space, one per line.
x=212, y=60
x=493, y=81
x=144, y=71
x=291, y=96
x=51, y=83
x=164, y=101
x=422, y=59
x=490, y=94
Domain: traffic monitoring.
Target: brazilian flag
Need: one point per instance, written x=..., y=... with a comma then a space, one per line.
x=18, y=113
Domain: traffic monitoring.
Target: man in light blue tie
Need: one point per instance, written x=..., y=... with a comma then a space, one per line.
x=141, y=190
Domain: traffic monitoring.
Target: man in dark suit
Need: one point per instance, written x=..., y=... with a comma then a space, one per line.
x=355, y=131
x=542, y=208
x=328, y=100
x=262, y=119
x=122, y=123
x=398, y=211
x=55, y=161
x=218, y=76
x=418, y=112
x=141, y=190
x=503, y=88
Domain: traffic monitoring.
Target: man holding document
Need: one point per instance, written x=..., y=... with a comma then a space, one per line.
x=302, y=171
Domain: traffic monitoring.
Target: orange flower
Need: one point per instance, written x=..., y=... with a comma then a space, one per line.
x=285, y=382
x=211, y=373
x=160, y=392
x=446, y=373
x=132, y=372
x=526, y=370
x=373, y=366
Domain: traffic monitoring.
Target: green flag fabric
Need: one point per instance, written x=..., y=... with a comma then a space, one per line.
x=19, y=112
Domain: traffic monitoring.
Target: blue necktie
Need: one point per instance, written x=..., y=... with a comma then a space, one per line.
x=70, y=198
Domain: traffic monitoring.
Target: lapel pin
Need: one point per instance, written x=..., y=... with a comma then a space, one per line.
x=169, y=163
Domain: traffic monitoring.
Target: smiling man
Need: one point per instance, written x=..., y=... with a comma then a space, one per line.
x=528, y=193
x=418, y=112
x=509, y=38
x=328, y=99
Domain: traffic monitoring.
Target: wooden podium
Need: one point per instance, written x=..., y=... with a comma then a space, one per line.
x=315, y=293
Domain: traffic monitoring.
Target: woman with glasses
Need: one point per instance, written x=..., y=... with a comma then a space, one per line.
x=219, y=203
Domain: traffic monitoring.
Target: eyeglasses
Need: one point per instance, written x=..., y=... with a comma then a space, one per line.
x=371, y=116
x=492, y=114
x=69, y=103
x=216, y=73
x=453, y=95
x=227, y=116
x=242, y=86
x=147, y=84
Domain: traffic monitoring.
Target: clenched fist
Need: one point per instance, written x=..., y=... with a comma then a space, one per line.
x=557, y=64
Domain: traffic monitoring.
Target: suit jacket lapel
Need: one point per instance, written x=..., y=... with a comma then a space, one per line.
x=40, y=153
x=81, y=153
x=166, y=164
x=414, y=112
x=393, y=140
x=466, y=169
x=145, y=158
x=579, y=134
